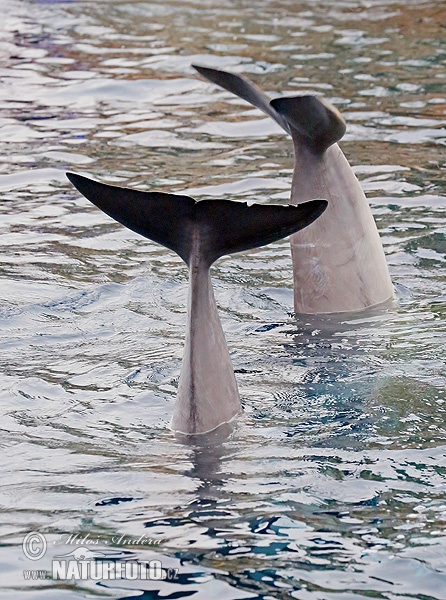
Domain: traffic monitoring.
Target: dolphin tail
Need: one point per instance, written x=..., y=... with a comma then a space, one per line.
x=313, y=120
x=210, y=227
x=309, y=118
x=245, y=89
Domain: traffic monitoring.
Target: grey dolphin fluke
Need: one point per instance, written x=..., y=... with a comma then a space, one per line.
x=338, y=264
x=200, y=232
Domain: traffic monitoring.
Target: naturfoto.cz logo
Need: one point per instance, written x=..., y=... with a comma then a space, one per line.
x=84, y=564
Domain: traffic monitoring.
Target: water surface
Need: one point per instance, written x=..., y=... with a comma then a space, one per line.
x=333, y=484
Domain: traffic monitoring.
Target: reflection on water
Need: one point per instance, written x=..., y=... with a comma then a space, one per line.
x=332, y=484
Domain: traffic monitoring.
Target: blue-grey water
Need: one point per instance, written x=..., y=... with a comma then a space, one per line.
x=333, y=484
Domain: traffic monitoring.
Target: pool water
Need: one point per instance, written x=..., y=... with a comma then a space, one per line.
x=332, y=485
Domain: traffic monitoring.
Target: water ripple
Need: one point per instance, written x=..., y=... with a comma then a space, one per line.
x=332, y=483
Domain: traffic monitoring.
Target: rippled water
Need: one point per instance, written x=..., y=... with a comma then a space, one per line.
x=333, y=485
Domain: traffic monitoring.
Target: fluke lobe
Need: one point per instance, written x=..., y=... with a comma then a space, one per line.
x=339, y=264
x=200, y=232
